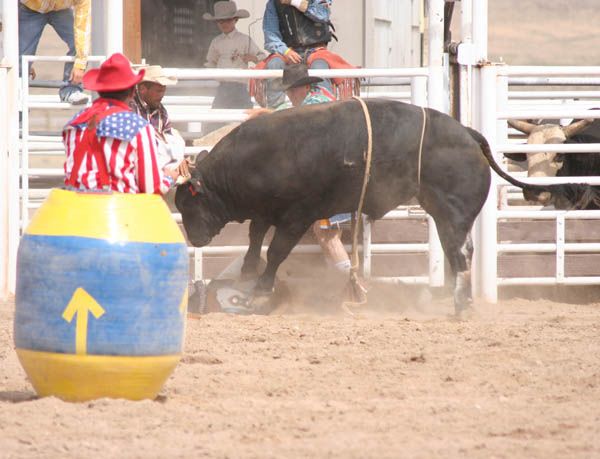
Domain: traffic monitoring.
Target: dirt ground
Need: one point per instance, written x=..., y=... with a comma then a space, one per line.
x=401, y=378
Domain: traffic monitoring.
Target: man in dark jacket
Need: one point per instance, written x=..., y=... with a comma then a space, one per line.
x=307, y=29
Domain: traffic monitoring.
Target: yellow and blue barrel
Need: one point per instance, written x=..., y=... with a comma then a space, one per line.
x=101, y=296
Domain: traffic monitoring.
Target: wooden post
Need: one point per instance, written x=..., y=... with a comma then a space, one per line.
x=132, y=30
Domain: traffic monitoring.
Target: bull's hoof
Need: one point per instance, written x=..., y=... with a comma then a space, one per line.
x=463, y=305
x=465, y=313
x=262, y=303
x=464, y=310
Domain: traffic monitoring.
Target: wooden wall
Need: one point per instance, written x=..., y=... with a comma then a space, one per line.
x=132, y=30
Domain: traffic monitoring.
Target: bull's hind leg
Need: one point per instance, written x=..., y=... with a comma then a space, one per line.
x=463, y=279
x=453, y=227
x=458, y=248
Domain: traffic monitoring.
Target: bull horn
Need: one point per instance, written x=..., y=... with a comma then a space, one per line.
x=576, y=127
x=214, y=137
x=522, y=126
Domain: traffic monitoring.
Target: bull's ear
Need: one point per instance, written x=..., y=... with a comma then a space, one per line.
x=200, y=156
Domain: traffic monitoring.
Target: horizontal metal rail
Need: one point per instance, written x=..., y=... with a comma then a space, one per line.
x=314, y=248
x=549, y=147
x=588, y=180
x=572, y=247
x=558, y=113
x=554, y=81
x=548, y=71
x=237, y=74
x=549, y=214
x=61, y=58
x=542, y=95
x=570, y=281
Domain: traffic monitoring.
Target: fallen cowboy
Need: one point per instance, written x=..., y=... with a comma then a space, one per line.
x=293, y=167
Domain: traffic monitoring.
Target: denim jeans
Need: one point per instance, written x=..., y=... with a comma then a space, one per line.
x=31, y=26
x=277, y=97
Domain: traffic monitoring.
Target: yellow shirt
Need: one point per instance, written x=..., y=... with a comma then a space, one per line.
x=82, y=12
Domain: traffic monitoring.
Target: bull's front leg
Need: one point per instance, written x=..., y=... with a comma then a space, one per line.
x=258, y=229
x=284, y=240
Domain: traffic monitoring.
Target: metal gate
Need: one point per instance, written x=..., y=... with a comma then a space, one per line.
x=497, y=106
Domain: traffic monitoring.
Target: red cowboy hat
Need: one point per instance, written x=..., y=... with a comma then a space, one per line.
x=114, y=74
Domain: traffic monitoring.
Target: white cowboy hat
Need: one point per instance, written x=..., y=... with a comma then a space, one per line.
x=156, y=74
x=226, y=10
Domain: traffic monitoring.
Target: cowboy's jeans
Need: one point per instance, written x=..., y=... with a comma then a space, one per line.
x=31, y=26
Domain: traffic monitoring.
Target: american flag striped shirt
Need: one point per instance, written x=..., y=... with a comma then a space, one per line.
x=130, y=147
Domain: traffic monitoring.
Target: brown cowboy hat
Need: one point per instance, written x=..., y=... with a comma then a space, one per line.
x=226, y=10
x=295, y=75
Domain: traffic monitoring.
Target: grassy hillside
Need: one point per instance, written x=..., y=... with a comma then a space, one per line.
x=544, y=32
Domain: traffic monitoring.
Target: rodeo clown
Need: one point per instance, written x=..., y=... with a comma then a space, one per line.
x=108, y=147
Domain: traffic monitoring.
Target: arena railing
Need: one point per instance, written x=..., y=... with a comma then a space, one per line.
x=496, y=108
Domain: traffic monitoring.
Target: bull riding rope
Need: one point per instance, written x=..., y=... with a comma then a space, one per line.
x=421, y=147
x=355, y=286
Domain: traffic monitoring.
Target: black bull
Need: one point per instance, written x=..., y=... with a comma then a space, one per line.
x=293, y=167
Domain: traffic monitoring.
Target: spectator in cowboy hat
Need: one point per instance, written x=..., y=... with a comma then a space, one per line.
x=147, y=102
x=109, y=147
x=231, y=49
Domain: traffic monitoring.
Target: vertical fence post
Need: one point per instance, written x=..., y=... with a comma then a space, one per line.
x=418, y=91
x=24, y=163
x=10, y=25
x=113, y=26
x=437, y=99
x=435, y=83
x=466, y=67
x=4, y=190
x=479, y=16
x=486, y=234
x=198, y=264
x=560, y=249
x=501, y=127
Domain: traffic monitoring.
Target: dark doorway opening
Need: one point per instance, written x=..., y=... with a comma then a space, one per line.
x=174, y=33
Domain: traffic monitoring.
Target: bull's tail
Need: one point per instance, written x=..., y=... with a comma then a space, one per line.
x=579, y=195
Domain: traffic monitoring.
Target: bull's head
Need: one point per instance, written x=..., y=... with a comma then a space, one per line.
x=193, y=202
x=545, y=164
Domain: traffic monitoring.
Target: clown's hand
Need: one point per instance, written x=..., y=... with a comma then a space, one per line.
x=184, y=168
